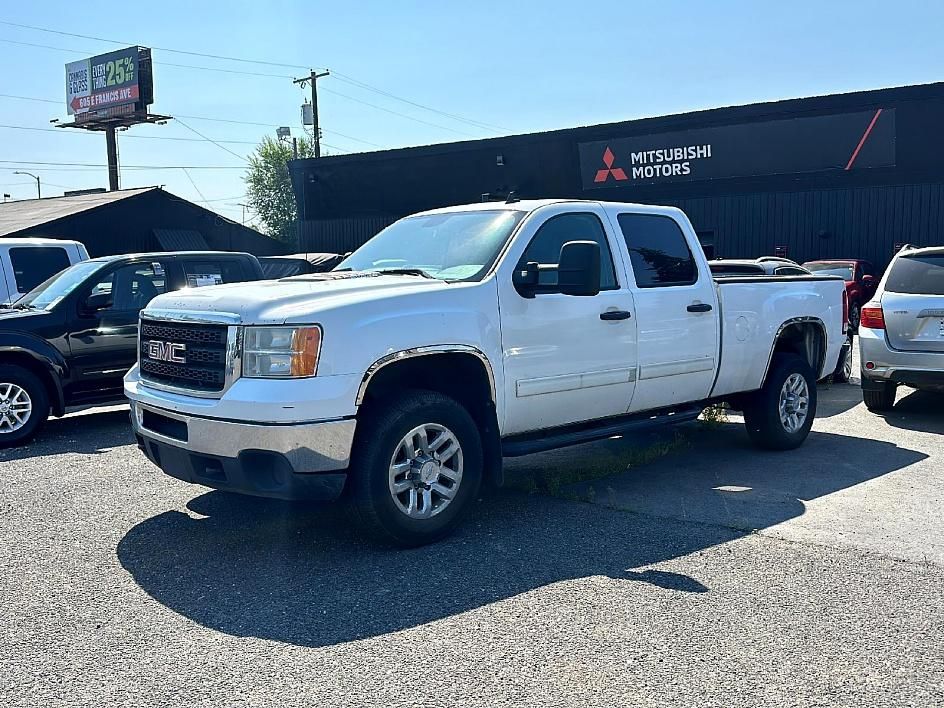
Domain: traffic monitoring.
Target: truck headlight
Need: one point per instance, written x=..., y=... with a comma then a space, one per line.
x=281, y=352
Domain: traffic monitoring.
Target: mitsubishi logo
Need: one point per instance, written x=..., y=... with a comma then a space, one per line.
x=618, y=174
x=174, y=352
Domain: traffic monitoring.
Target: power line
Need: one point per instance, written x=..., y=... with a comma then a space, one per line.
x=127, y=167
x=186, y=172
x=136, y=137
x=354, y=82
x=344, y=77
x=402, y=115
x=163, y=49
x=221, y=147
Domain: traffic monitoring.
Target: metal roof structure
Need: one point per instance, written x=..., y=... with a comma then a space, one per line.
x=27, y=213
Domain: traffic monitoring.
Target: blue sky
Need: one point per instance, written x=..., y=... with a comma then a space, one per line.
x=515, y=66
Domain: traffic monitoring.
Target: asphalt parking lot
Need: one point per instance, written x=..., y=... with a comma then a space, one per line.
x=714, y=575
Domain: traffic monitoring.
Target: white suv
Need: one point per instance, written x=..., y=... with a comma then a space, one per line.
x=901, y=335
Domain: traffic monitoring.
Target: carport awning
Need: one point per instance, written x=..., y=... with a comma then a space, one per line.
x=181, y=240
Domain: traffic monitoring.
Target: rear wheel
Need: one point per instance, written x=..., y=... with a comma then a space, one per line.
x=855, y=316
x=24, y=405
x=416, y=469
x=879, y=397
x=843, y=371
x=780, y=415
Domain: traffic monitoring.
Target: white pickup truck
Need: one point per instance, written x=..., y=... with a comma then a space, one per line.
x=461, y=335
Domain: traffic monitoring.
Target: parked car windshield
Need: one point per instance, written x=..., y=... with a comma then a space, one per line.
x=843, y=271
x=919, y=275
x=49, y=293
x=450, y=246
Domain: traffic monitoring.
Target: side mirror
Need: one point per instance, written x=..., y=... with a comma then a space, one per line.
x=578, y=270
x=868, y=280
x=97, y=303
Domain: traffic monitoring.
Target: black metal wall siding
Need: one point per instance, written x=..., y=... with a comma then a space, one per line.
x=863, y=222
x=339, y=235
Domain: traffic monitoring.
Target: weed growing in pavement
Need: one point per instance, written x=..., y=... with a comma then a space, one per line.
x=713, y=416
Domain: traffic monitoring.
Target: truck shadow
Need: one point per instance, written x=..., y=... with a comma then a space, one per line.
x=89, y=433
x=295, y=574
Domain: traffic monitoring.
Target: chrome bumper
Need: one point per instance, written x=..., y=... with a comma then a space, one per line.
x=308, y=447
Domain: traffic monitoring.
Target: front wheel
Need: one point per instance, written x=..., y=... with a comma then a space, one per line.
x=780, y=415
x=24, y=405
x=417, y=467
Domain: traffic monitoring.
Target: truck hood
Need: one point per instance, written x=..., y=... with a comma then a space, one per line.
x=293, y=300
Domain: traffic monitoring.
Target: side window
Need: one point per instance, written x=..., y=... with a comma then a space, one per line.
x=133, y=286
x=789, y=270
x=198, y=274
x=546, y=245
x=32, y=266
x=658, y=250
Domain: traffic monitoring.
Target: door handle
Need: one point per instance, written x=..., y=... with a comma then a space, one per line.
x=699, y=307
x=611, y=315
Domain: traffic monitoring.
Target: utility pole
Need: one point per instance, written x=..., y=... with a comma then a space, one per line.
x=312, y=78
x=111, y=148
x=39, y=193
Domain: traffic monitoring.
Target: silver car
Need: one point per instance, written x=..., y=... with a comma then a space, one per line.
x=901, y=334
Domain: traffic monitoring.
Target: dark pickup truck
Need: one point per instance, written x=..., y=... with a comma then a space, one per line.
x=70, y=341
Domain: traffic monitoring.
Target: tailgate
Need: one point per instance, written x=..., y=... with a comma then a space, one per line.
x=913, y=304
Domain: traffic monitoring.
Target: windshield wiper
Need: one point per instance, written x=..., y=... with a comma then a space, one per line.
x=23, y=306
x=405, y=271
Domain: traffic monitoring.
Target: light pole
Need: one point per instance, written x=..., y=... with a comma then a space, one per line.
x=39, y=194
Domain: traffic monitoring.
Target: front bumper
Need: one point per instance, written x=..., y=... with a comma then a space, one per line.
x=284, y=461
x=916, y=369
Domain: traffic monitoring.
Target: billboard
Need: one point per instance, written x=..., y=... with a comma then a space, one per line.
x=116, y=83
x=842, y=141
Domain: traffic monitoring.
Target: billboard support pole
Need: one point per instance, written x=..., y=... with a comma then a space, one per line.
x=111, y=144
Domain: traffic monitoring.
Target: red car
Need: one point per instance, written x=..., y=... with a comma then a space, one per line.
x=860, y=277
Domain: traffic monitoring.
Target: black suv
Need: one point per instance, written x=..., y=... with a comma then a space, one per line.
x=70, y=341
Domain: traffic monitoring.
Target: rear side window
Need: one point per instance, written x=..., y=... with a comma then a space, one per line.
x=545, y=247
x=32, y=266
x=198, y=274
x=918, y=275
x=790, y=270
x=659, y=252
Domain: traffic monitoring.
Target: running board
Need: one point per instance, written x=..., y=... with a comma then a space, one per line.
x=564, y=436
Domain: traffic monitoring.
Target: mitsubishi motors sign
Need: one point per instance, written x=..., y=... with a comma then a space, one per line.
x=115, y=83
x=842, y=141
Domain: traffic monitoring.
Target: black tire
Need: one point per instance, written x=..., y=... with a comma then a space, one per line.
x=844, y=366
x=381, y=428
x=880, y=399
x=11, y=374
x=762, y=412
x=855, y=316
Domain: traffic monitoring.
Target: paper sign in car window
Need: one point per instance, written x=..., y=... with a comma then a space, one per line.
x=199, y=280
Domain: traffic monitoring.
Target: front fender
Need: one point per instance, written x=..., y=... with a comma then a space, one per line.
x=41, y=355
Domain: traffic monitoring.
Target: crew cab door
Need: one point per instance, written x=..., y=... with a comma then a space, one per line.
x=104, y=341
x=677, y=316
x=563, y=362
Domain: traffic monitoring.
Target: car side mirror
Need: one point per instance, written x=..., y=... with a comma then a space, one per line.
x=578, y=269
x=868, y=280
x=97, y=303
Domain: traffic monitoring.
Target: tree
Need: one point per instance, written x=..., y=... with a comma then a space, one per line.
x=269, y=188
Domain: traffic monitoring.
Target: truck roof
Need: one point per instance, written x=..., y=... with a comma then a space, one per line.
x=165, y=254
x=37, y=241
x=532, y=204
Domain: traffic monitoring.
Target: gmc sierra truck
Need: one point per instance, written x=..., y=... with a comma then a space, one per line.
x=461, y=335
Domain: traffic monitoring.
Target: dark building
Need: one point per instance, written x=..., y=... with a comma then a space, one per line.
x=839, y=176
x=132, y=221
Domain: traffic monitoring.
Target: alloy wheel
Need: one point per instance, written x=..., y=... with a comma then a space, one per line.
x=425, y=471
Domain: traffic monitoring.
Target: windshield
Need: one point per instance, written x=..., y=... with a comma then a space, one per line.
x=918, y=275
x=47, y=294
x=843, y=271
x=450, y=246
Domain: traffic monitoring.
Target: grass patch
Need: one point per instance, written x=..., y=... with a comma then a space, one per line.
x=714, y=416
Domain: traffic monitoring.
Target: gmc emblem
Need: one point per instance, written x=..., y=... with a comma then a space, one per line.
x=174, y=352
